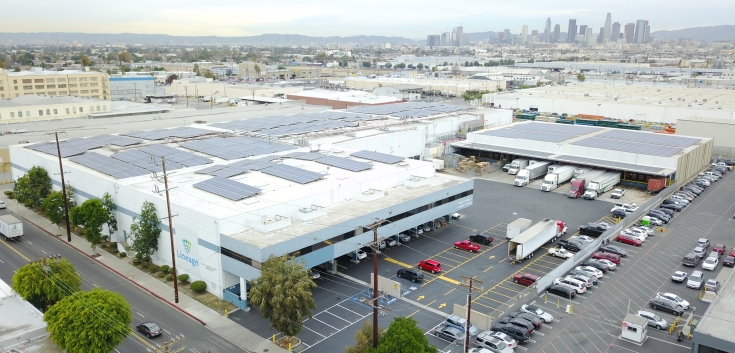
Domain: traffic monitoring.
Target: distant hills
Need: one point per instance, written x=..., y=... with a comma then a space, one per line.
x=164, y=39
x=709, y=34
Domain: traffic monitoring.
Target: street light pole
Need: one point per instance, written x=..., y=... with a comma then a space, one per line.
x=63, y=189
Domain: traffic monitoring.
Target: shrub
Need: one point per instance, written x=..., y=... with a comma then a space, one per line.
x=122, y=254
x=105, y=238
x=147, y=259
x=113, y=250
x=144, y=266
x=170, y=278
x=161, y=275
x=136, y=262
x=198, y=286
x=139, y=256
x=165, y=268
x=9, y=194
x=184, y=277
x=153, y=269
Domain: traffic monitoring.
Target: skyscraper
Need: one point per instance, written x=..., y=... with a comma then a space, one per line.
x=508, y=39
x=557, y=33
x=446, y=39
x=647, y=34
x=572, y=31
x=583, y=29
x=547, y=31
x=433, y=40
x=524, y=35
x=629, y=32
x=457, y=36
x=615, y=32
x=640, y=30
x=607, y=28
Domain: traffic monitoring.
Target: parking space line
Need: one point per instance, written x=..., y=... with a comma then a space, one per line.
x=513, y=290
x=448, y=279
x=487, y=269
x=662, y=274
x=453, y=289
x=465, y=227
x=349, y=310
x=593, y=331
x=448, y=259
x=552, y=345
x=335, y=316
x=413, y=313
x=575, y=340
x=630, y=292
x=486, y=298
x=550, y=268
x=639, y=281
x=487, y=306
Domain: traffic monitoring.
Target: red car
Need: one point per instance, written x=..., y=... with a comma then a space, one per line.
x=732, y=252
x=627, y=239
x=430, y=265
x=607, y=256
x=467, y=245
x=525, y=278
x=719, y=248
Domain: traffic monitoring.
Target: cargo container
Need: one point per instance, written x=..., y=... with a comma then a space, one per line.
x=590, y=117
x=581, y=170
x=517, y=227
x=656, y=184
x=523, y=246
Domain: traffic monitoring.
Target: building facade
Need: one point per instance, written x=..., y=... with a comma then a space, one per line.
x=29, y=108
x=132, y=87
x=90, y=84
x=572, y=31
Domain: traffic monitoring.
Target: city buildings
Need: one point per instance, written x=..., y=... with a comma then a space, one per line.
x=615, y=32
x=433, y=40
x=91, y=84
x=557, y=33
x=629, y=33
x=547, y=31
x=524, y=35
x=640, y=32
x=32, y=107
x=607, y=29
x=572, y=31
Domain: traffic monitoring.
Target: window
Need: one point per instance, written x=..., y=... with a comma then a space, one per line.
x=55, y=112
x=28, y=113
x=38, y=80
x=84, y=85
x=51, y=93
x=39, y=87
x=15, y=88
x=75, y=110
x=93, y=84
x=2, y=88
x=50, y=80
x=60, y=80
x=48, y=111
x=93, y=78
x=40, y=112
x=104, y=107
x=67, y=110
x=25, y=80
x=12, y=114
x=84, y=91
x=15, y=81
x=98, y=108
x=96, y=97
x=20, y=114
x=62, y=86
x=95, y=91
x=81, y=109
x=82, y=79
x=72, y=85
x=73, y=92
x=237, y=256
x=28, y=87
x=91, y=109
x=72, y=80
x=50, y=86
x=632, y=329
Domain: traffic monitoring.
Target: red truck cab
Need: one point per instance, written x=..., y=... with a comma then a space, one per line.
x=576, y=188
x=561, y=228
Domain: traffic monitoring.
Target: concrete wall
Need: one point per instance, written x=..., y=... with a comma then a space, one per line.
x=721, y=130
x=45, y=112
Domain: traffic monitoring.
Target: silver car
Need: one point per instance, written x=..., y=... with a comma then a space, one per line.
x=654, y=320
x=449, y=333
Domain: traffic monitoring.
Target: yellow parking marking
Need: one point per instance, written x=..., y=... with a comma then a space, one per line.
x=16, y=251
x=442, y=305
x=491, y=299
x=487, y=306
x=488, y=269
x=432, y=302
x=472, y=229
x=448, y=279
x=446, y=258
x=141, y=339
x=540, y=265
x=509, y=278
x=519, y=285
x=413, y=313
x=503, y=295
x=510, y=289
x=420, y=297
x=392, y=260
x=453, y=289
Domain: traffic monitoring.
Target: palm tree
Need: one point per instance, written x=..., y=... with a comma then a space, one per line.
x=257, y=71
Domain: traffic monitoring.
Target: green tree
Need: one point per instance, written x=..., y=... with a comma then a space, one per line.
x=281, y=67
x=43, y=283
x=86, y=61
x=53, y=207
x=581, y=77
x=257, y=70
x=145, y=231
x=283, y=293
x=91, y=215
x=388, y=65
x=89, y=322
x=208, y=73
x=306, y=59
x=125, y=57
x=196, y=69
x=33, y=187
x=109, y=204
x=403, y=336
x=364, y=338
x=366, y=64
x=420, y=66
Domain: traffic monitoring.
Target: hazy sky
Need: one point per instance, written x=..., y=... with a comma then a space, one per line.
x=413, y=19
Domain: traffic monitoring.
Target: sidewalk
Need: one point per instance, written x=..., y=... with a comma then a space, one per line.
x=218, y=324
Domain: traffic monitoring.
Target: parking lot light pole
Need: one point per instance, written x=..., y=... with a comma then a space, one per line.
x=468, y=283
x=376, y=247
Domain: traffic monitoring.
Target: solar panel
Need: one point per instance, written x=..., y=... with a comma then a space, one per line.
x=378, y=157
x=308, y=156
x=576, y=130
x=159, y=134
x=529, y=135
x=647, y=137
x=628, y=146
x=344, y=163
x=109, y=166
x=294, y=174
x=228, y=189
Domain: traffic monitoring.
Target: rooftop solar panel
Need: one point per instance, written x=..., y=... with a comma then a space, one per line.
x=651, y=138
x=294, y=174
x=529, y=135
x=629, y=146
x=378, y=157
x=228, y=189
x=344, y=163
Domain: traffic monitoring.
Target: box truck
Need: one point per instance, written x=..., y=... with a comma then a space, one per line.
x=11, y=227
x=517, y=165
x=580, y=183
x=580, y=171
x=559, y=176
x=517, y=227
x=523, y=246
x=601, y=184
x=656, y=184
x=530, y=173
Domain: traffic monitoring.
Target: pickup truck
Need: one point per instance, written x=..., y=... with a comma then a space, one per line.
x=627, y=207
x=572, y=245
x=560, y=252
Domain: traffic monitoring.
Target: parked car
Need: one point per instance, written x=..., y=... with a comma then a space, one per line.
x=409, y=274
x=677, y=300
x=679, y=276
x=522, y=323
x=571, y=244
x=533, y=309
x=673, y=207
x=618, y=213
x=593, y=263
x=455, y=216
x=525, y=278
x=492, y=345
x=449, y=333
x=467, y=245
x=654, y=320
x=610, y=265
x=614, y=250
x=149, y=329
x=506, y=167
x=710, y=264
x=360, y=254
x=577, y=286
x=584, y=238
x=582, y=279
x=695, y=280
x=691, y=259
x=431, y=266
x=519, y=334
x=460, y=324
x=699, y=251
x=666, y=306
x=719, y=248
x=607, y=256
x=490, y=336
x=562, y=290
x=665, y=211
x=617, y=193
x=391, y=241
x=703, y=242
x=560, y=252
x=591, y=270
x=728, y=261
x=578, y=273
x=481, y=239
x=404, y=238
x=659, y=216
x=652, y=220
x=628, y=239
x=712, y=285
x=647, y=230
x=592, y=229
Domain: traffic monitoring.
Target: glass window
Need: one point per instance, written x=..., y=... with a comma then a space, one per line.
x=20, y=114
x=75, y=110
x=55, y=111
x=12, y=114
x=40, y=112
x=48, y=111
x=67, y=110
x=98, y=108
x=81, y=109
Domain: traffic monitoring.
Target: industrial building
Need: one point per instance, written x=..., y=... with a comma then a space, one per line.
x=713, y=332
x=89, y=84
x=341, y=99
x=639, y=155
x=32, y=108
x=132, y=87
x=27, y=322
x=720, y=130
x=307, y=184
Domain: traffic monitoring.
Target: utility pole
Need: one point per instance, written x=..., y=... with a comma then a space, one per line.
x=376, y=247
x=469, y=282
x=170, y=228
x=63, y=188
x=167, y=346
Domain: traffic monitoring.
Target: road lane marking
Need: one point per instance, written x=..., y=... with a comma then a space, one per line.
x=487, y=269
x=453, y=289
x=16, y=251
x=413, y=313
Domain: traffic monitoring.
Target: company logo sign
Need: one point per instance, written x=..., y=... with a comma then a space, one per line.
x=185, y=256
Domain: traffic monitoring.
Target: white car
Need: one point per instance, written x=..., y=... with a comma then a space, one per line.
x=2, y=205
x=647, y=230
x=652, y=220
x=456, y=215
x=590, y=270
x=604, y=225
x=314, y=274
x=674, y=298
x=636, y=235
x=610, y=265
x=585, y=238
x=627, y=207
x=710, y=264
x=560, y=252
x=545, y=317
x=361, y=254
x=391, y=241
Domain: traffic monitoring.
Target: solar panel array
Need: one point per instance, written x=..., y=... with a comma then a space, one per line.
x=503, y=149
x=305, y=156
x=294, y=174
x=160, y=134
x=226, y=171
x=542, y=132
x=236, y=147
x=278, y=126
x=344, y=163
x=628, y=146
x=148, y=157
x=227, y=188
x=608, y=164
x=646, y=137
x=109, y=166
x=77, y=146
x=408, y=109
x=378, y=157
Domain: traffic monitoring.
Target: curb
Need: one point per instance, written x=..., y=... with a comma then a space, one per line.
x=119, y=274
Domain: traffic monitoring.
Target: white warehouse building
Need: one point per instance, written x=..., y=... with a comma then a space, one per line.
x=243, y=190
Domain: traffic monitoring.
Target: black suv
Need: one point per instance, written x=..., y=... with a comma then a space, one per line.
x=149, y=329
x=571, y=245
x=614, y=250
x=410, y=275
x=481, y=239
x=592, y=229
x=666, y=306
x=519, y=334
x=592, y=263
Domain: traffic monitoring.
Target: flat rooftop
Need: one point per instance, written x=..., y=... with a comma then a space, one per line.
x=27, y=322
x=346, y=96
x=51, y=73
x=34, y=100
x=717, y=320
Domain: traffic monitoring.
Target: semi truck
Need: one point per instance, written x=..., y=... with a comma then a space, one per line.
x=530, y=173
x=601, y=184
x=523, y=246
x=11, y=227
x=517, y=165
x=517, y=227
x=559, y=176
x=579, y=184
x=580, y=171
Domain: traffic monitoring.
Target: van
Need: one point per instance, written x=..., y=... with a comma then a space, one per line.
x=695, y=280
x=691, y=259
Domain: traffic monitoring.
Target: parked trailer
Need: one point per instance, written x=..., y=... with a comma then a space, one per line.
x=580, y=171
x=11, y=227
x=656, y=184
x=517, y=227
x=559, y=176
x=531, y=173
x=580, y=183
x=523, y=246
x=517, y=165
x=601, y=184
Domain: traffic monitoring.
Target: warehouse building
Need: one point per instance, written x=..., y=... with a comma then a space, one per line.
x=720, y=130
x=713, y=332
x=247, y=189
x=639, y=155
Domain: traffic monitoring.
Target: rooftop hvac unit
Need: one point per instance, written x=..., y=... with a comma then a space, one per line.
x=269, y=221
